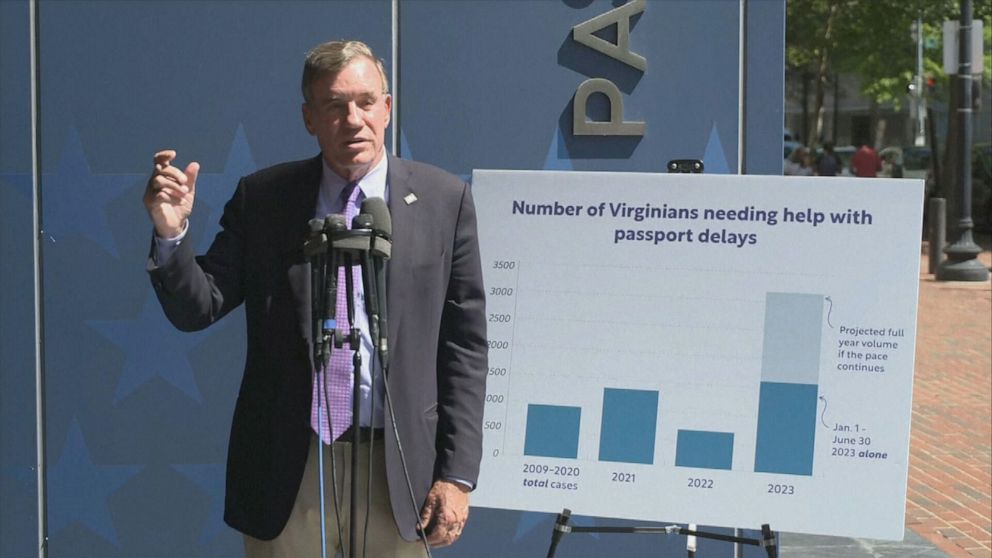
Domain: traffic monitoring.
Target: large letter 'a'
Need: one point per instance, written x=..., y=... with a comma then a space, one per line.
x=583, y=33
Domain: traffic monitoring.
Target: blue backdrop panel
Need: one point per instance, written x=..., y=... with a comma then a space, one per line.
x=137, y=413
x=18, y=473
x=764, y=86
x=503, y=98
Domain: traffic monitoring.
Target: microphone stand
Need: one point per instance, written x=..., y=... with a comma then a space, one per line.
x=333, y=225
x=562, y=528
x=349, y=245
x=315, y=249
x=354, y=342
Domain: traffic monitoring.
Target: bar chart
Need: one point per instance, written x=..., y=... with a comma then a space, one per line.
x=705, y=450
x=628, y=428
x=691, y=382
x=786, y=416
x=790, y=367
x=552, y=431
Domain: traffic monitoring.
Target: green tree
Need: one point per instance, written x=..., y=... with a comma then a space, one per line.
x=871, y=39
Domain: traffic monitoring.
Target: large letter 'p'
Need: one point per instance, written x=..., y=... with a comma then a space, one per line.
x=615, y=126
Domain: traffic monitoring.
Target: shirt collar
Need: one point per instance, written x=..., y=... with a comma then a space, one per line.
x=372, y=185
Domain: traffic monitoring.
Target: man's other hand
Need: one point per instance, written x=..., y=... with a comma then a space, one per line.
x=445, y=512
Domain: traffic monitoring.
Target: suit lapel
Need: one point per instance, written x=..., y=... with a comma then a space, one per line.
x=403, y=213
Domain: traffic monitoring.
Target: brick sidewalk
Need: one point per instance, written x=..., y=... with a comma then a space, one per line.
x=949, y=500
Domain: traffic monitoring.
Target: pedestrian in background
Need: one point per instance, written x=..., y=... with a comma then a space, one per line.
x=828, y=163
x=865, y=162
x=798, y=164
x=893, y=159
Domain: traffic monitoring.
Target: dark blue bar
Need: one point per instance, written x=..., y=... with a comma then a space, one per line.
x=552, y=431
x=705, y=450
x=786, y=428
x=630, y=419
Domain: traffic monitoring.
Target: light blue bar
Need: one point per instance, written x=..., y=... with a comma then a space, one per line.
x=552, y=431
x=704, y=450
x=786, y=428
x=793, y=335
x=630, y=419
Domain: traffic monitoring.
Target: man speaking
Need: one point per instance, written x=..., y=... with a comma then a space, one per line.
x=436, y=329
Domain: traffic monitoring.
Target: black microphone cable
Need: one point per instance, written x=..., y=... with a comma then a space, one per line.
x=336, y=499
x=332, y=225
x=368, y=484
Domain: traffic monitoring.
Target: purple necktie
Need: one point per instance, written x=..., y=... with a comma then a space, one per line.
x=340, y=370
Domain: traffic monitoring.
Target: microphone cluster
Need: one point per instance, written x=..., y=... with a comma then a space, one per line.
x=330, y=245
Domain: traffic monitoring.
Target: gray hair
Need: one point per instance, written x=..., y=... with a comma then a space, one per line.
x=331, y=57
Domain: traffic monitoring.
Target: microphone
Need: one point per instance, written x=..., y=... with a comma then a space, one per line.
x=316, y=242
x=356, y=240
x=382, y=246
x=333, y=224
x=362, y=221
x=382, y=226
x=363, y=224
x=314, y=249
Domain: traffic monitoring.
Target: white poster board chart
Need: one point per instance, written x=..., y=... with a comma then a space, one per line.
x=710, y=349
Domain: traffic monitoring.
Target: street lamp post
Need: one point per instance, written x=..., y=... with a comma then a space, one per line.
x=919, y=105
x=962, y=263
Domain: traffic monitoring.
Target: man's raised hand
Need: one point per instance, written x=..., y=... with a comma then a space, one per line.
x=169, y=194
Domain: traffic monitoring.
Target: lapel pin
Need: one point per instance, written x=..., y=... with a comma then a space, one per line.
x=410, y=198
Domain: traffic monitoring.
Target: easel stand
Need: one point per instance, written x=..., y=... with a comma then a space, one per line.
x=563, y=528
